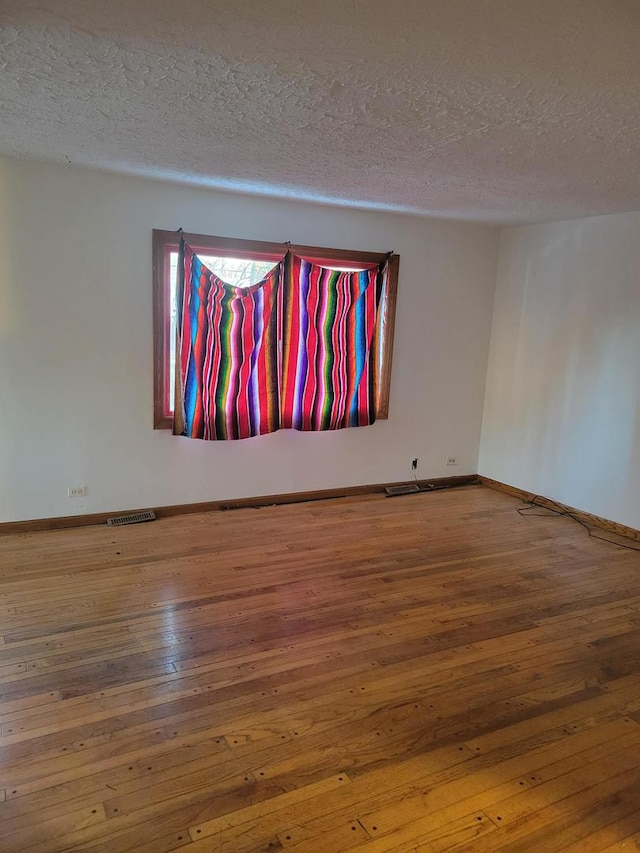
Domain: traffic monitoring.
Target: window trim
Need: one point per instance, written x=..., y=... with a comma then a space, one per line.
x=165, y=242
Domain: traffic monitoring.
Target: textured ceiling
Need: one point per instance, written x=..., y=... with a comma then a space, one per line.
x=497, y=110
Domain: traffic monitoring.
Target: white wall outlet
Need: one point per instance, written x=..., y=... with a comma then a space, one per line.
x=452, y=460
x=77, y=491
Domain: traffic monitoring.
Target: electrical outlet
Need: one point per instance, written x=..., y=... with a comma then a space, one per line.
x=414, y=464
x=77, y=491
x=452, y=460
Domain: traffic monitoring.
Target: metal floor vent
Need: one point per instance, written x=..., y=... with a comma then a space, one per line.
x=407, y=489
x=132, y=518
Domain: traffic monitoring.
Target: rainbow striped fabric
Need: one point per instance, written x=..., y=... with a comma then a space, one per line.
x=328, y=354
x=298, y=350
x=228, y=344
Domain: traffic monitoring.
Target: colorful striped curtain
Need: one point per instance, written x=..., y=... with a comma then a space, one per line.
x=329, y=357
x=227, y=354
x=299, y=350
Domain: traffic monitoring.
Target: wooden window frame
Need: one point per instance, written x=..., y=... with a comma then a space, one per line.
x=165, y=242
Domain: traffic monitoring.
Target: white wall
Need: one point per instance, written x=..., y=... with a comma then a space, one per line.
x=76, y=347
x=562, y=408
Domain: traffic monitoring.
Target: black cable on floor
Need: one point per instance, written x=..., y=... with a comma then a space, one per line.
x=563, y=513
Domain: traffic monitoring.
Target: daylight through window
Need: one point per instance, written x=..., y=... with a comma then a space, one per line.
x=243, y=263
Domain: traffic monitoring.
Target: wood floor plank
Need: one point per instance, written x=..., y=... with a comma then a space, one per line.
x=611, y=818
x=426, y=673
x=551, y=819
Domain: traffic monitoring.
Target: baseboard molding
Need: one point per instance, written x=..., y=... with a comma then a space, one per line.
x=212, y=506
x=586, y=517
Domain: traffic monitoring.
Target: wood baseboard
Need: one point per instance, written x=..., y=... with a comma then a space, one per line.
x=547, y=503
x=212, y=506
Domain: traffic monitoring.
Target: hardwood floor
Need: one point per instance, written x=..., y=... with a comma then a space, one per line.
x=426, y=673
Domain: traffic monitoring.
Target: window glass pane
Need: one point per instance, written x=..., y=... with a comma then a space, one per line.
x=173, y=281
x=342, y=269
